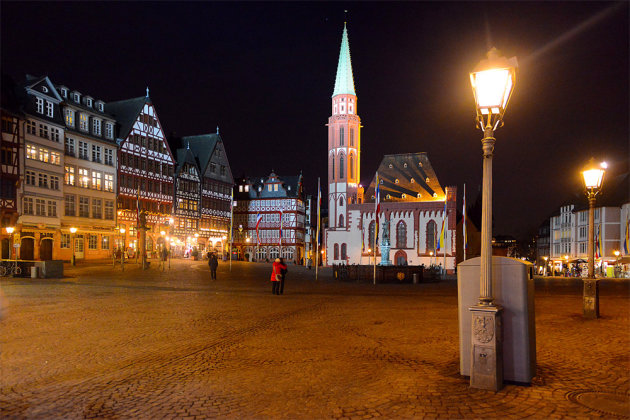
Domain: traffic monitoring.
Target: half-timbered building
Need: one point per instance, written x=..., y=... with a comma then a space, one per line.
x=186, y=203
x=89, y=182
x=9, y=164
x=216, y=190
x=145, y=171
x=40, y=196
x=279, y=202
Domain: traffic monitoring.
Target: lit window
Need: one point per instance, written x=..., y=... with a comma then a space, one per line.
x=269, y=187
x=44, y=155
x=69, y=175
x=275, y=187
x=83, y=122
x=84, y=180
x=240, y=188
x=69, y=118
x=96, y=180
x=55, y=158
x=31, y=152
x=246, y=188
x=109, y=182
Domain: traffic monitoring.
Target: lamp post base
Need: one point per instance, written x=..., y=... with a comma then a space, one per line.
x=486, y=371
x=73, y=260
x=591, y=299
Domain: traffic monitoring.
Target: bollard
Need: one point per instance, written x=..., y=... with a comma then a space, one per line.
x=415, y=278
x=34, y=272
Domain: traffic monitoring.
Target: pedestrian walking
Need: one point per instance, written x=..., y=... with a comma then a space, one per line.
x=276, y=276
x=309, y=263
x=213, y=262
x=283, y=272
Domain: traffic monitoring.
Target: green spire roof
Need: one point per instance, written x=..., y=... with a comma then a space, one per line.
x=344, y=83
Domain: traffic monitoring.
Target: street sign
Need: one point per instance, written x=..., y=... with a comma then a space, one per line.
x=16, y=245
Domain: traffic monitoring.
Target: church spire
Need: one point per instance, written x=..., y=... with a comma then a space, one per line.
x=344, y=83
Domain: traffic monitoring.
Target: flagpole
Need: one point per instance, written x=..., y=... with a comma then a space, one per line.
x=231, y=227
x=464, y=224
x=319, y=196
x=444, y=228
x=377, y=191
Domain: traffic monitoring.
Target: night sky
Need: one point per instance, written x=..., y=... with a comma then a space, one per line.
x=264, y=72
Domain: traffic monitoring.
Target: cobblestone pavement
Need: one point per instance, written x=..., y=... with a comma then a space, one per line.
x=100, y=343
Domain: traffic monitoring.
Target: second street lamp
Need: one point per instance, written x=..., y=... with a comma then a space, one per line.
x=593, y=179
x=73, y=230
x=492, y=84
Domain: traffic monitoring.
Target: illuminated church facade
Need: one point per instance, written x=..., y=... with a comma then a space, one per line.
x=413, y=204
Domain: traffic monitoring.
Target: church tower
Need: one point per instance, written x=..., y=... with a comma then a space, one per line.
x=344, y=142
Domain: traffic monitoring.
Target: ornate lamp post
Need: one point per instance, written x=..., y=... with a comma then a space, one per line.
x=492, y=84
x=593, y=178
x=10, y=230
x=73, y=230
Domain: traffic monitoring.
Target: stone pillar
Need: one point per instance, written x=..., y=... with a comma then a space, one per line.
x=486, y=370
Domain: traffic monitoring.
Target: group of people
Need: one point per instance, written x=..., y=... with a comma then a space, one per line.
x=278, y=273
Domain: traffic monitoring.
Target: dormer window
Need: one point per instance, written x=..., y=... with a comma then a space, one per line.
x=412, y=180
x=88, y=102
x=64, y=92
x=391, y=166
x=76, y=97
x=404, y=165
x=403, y=195
x=100, y=105
x=388, y=196
x=427, y=180
x=269, y=187
x=419, y=195
x=397, y=181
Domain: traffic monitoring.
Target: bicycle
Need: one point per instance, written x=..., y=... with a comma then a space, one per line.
x=9, y=268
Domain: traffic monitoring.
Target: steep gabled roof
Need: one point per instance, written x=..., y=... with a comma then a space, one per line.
x=290, y=186
x=344, y=82
x=414, y=174
x=185, y=156
x=202, y=147
x=126, y=113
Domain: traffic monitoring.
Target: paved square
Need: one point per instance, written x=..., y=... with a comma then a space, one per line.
x=173, y=344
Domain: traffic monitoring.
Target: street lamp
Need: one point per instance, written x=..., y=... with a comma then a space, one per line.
x=492, y=83
x=10, y=230
x=593, y=178
x=73, y=230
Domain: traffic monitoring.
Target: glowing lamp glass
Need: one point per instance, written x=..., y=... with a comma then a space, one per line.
x=492, y=88
x=593, y=178
x=10, y=230
x=73, y=230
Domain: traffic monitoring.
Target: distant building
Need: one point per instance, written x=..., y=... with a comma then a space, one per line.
x=89, y=181
x=40, y=196
x=274, y=198
x=413, y=203
x=568, y=227
x=145, y=171
x=10, y=144
x=543, y=251
x=215, y=189
x=186, y=203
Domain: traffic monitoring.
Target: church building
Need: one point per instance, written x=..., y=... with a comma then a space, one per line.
x=413, y=204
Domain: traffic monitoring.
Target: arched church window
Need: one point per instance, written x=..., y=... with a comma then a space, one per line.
x=336, y=251
x=332, y=164
x=431, y=235
x=341, y=171
x=344, y=251
x=341, y=136
x=351, y=135
x=351, y=167
x=341, y=201
x=341, y=220
x=401, y=235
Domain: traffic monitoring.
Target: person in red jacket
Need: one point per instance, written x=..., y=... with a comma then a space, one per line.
x=276, y=276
